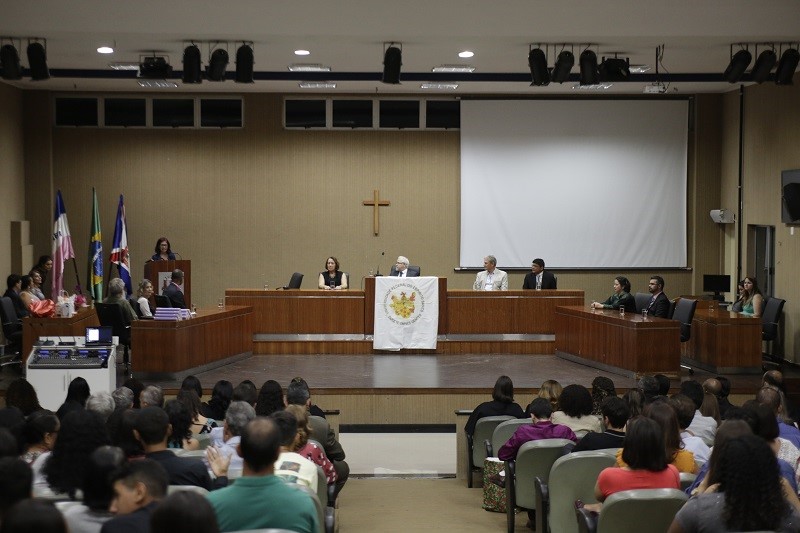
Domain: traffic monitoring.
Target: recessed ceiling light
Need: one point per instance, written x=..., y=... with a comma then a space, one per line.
x=105, y=50
x=465, y=54
x=308, y=67
x=639, y=69
x=301, y=52
x=124, y=66
x=317, y=85
x=594, y=87
x=439, y=86
x=453, y=68
x=157, y=84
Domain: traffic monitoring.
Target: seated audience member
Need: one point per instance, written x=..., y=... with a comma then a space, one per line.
x=764, y=424
x=774, y=378
x=650, y=388
x=647, y=466
x=622, y=297
x=538, y=278
x=635, y=400
x=752, y=300
x=14, y=283
x=663, y=384
x=123, y=400
x=151, y=396
x=290, y=465
x=575, y=410
x=33, y=515
x=332, y=278
x=541, y=427
x=710, y=407
x=125, y=437
x=17, y=483
x=138, y=487
x=727, y=430
x=259, y=499
x=25, y=293
x=684, y=410
x=143, y=295
x=702, y=426
x=400, y=268
x=270, y=399
x=12, y=423
x=163, y=251
x=491, y=279
x=615, y=415
x=9, y=444
x=184, y=511
x=664, y=414
x=722, y=393
x=225, y=439
x=136, y=387
x=181, y=423
x=101, y=403
x=550, y=390
x=98, y=491
x=773, y=398
x=602, y=388
x=22, y=395
x=193, y=383
x=313, y=410
x=81, y=433
x=199, y=424
x=246, y=392
x=39, y=435
x=221, y=396
x=308, y=449
x=116, y=295
x=77, y=394
x=174, y=290
x=153, y=430
x=737, y=305
x=658, y=305
x=502, y=404
x=297, y=393
x=746, y=493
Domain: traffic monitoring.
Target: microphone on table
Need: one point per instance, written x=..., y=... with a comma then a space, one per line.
x=380, y=258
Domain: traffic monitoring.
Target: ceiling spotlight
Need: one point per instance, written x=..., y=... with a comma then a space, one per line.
x=215, y=71
x=244, y=64
x=588, y=64
x=192, y=68
x=392, y=60
x=537, y=62
x=301, y=52
x=739, y=63
x=9, y=58
x=439, y=86
x=154, y=67
x=466, y=54
x=157, y=84
x=105, y=50
x=37, y=62
x=561, y=69
x=763, y=65
x=615, y=69
x=124, y=65
x=786, y=66
x=454, y=69
x=316, y=85
x=308, y=67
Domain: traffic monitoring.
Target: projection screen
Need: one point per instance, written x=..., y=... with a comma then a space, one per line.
x=579, y=183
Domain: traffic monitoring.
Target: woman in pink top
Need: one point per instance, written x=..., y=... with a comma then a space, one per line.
x=307, y=449
x=647, y=467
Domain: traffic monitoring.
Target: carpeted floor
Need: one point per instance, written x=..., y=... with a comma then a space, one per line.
x=410, y=505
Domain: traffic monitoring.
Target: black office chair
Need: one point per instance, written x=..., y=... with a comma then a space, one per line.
x=671, y=310
x=12, y=330
x=110, y=315
x=162, y=301
x=684, y=313
x=136, y=309
x=770, y=319
x=295, y=282
x=642, y=300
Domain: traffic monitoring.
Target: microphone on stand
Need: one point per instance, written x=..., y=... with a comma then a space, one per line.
x=380, y=258
x=177, y=255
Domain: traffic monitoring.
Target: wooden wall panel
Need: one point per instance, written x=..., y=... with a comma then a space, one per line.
x=12, y=171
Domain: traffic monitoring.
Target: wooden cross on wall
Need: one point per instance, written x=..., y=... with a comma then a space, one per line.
x=376, y=203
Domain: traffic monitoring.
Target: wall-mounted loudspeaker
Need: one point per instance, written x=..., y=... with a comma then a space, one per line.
x=722, y=216
x=791, y=199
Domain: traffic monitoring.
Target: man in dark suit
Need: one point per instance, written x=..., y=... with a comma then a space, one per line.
x=138, y=487
x=14, y=283
x=659, y=303
x=173, y=290
x=539, y=278
x=402, y=269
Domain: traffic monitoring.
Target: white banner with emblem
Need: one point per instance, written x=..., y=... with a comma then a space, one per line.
x=406, y=313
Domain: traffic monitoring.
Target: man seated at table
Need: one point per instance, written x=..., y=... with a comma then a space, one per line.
x=14, y=283
x=659, y=303
x=174, y=290
x=401, y=269
x=540, y=428
x=539, y=278
x=491, y=279
x=116, y=295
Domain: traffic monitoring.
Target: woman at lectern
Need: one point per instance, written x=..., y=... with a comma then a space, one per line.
x=163, y=251
x=752, y=300
x=332, y=278
x=621, y=297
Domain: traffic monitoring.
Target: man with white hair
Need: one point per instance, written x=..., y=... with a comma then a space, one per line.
x=401, y=269
x=491, y=279
x=116, y=295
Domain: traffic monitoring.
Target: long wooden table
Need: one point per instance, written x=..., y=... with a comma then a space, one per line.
x=175, y=348
x=628, y=345
x=724, y=342
x=75, y=326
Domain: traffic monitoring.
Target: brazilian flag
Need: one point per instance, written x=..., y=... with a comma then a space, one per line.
x=95, y=254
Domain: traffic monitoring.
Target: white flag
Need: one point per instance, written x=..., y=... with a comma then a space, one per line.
x=406, y=313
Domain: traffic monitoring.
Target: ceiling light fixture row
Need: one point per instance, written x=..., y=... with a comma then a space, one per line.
x=765, y=62
x=591, y=74
x=217, y=62
x=37, y=58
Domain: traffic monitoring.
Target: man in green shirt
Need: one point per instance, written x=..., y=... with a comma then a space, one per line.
x=259, y=499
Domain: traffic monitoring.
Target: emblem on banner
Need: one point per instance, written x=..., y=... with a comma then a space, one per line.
x=403, y=304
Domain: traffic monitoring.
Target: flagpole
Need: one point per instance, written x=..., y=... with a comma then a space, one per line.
x=78, y=289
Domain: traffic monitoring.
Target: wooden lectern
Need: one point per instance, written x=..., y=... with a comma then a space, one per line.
x=160, y=272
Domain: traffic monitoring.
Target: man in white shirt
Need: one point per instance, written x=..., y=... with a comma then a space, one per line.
x=291, y=466
x=228, y=437
x=684, y=408
x=491, y=279
x=401, y=269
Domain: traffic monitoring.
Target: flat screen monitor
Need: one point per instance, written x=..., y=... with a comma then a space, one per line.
x=100, y=335
x=716, y=283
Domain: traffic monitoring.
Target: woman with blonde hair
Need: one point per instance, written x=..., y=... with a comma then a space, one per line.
x=310, y=450
x=550, y=391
